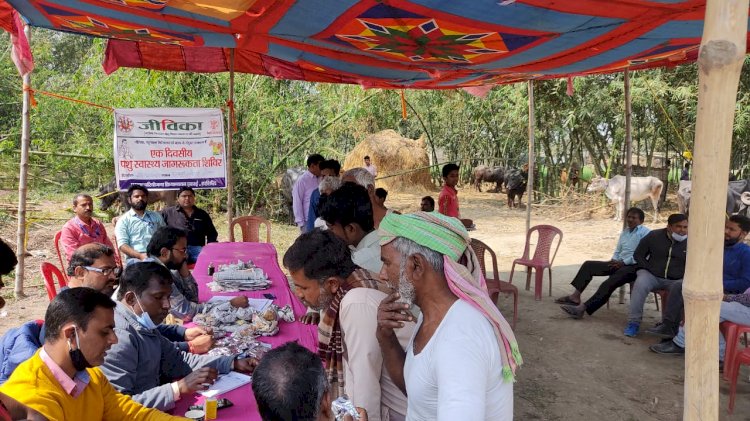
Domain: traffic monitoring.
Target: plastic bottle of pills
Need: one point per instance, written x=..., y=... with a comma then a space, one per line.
x=211, y=407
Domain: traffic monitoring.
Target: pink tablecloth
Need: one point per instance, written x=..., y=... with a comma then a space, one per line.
x=264, y=256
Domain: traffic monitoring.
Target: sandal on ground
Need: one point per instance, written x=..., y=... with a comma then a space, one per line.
x=572, y=311
x=566, y=300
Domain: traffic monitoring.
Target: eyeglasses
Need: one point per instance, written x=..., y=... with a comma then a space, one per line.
x=180, y=250
x=105, y=271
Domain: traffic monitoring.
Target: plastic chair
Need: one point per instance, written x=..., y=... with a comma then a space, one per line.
x=541, y=259
x=250, y=226
x=58, y=234
x=663, y=293
x=495, y=286
x=51, y=273
x=732, y=332
x=740, y=358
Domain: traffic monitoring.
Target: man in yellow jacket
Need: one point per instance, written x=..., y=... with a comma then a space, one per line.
x=61, y=380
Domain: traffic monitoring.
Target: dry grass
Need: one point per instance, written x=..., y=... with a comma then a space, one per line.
x=393, y=154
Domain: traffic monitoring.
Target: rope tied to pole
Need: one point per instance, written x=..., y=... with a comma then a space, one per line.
x=63, y=97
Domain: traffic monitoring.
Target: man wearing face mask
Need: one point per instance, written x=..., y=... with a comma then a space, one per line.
x=135, y=228
x=142, y=357
x=92, y=266
x=59, y=381
x=660, y=257
x=736, y=280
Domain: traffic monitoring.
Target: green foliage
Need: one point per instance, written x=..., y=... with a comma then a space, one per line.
x=273, y=116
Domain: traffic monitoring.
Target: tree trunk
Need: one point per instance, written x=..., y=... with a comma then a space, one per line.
x=720, y=61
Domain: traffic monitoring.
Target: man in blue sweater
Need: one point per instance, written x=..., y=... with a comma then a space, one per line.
x=736, y=277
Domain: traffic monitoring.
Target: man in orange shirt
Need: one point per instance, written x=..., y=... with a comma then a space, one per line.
x=448, y=199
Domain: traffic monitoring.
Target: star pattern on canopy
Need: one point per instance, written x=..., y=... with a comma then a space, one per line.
x=418, y=44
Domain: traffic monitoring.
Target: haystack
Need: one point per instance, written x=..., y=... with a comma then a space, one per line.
x=393, y=154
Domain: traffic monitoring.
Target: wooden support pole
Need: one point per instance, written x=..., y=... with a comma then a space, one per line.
x=628, y=161
x=530, y=184
x=230, y=138
x=23, y=179
x=628, y=147
x=720, y=59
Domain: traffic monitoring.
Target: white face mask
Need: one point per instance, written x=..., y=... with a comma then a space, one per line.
x=679, y=237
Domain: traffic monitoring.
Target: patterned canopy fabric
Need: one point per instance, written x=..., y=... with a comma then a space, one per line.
x=417, y=44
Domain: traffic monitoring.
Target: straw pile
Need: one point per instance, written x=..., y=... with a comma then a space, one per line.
x=393, y=154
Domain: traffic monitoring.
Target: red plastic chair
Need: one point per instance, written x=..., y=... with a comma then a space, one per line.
x=495, y=286
x=52, y=273
x=250, y=226
x=541, y=259
x=731, y=332
x=58, y=234
x=740, y=358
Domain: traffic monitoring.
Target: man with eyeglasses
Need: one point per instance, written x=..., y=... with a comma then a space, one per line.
x=193, y=220
x=93, y=266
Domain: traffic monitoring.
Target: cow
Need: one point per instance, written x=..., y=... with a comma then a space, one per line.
x=108, y=194
x=641, y=188
x=515, y=184
x=484, y=173
x=735, y=192
x=286, y=184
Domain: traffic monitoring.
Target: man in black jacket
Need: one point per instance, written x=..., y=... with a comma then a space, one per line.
x=660, y=257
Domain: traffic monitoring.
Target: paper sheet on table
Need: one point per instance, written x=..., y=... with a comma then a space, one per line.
x=227, y=382
x=260, y=304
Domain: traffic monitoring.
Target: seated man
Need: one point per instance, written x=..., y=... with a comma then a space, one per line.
x=661, y=257
x=348, y=214
x=328, y=168
x=10, y=409
x=193, y=220
x=427, y=204
x=735, y=308
x=735, y=276
x=290, y=384
x=326, y=279
x=460, y=361
x=93, y=266
x=620, y=269
x=59, y=381
x=168, y=248
x=142, y=357
x=135, y=228
x=83, y=228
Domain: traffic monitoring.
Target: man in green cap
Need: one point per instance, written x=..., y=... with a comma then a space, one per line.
x=461, y=358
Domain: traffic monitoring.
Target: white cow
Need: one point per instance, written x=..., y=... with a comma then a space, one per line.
x=640, y=189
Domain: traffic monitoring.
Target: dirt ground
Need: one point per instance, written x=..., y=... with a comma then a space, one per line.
x=573, y=369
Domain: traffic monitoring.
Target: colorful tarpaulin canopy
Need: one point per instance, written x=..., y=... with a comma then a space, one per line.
x=420, y=44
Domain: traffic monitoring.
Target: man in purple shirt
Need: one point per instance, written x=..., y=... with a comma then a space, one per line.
x=83, y=228
x=303, y=188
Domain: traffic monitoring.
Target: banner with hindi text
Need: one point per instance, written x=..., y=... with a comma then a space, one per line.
x=168, y=148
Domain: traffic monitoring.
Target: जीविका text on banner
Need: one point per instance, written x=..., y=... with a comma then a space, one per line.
x=168, y=148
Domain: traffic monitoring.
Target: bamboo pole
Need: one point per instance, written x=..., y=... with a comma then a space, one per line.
x=720, y=59
x=530, y=183
x=230, y=137
x=628, y=160
x=23, y=179
x=628, y=146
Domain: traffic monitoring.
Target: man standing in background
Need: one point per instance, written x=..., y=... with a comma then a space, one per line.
x=372, y=169
x=303, y=188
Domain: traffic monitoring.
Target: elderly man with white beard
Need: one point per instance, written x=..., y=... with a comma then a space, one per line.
x=328, y=281
x=460, y=362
